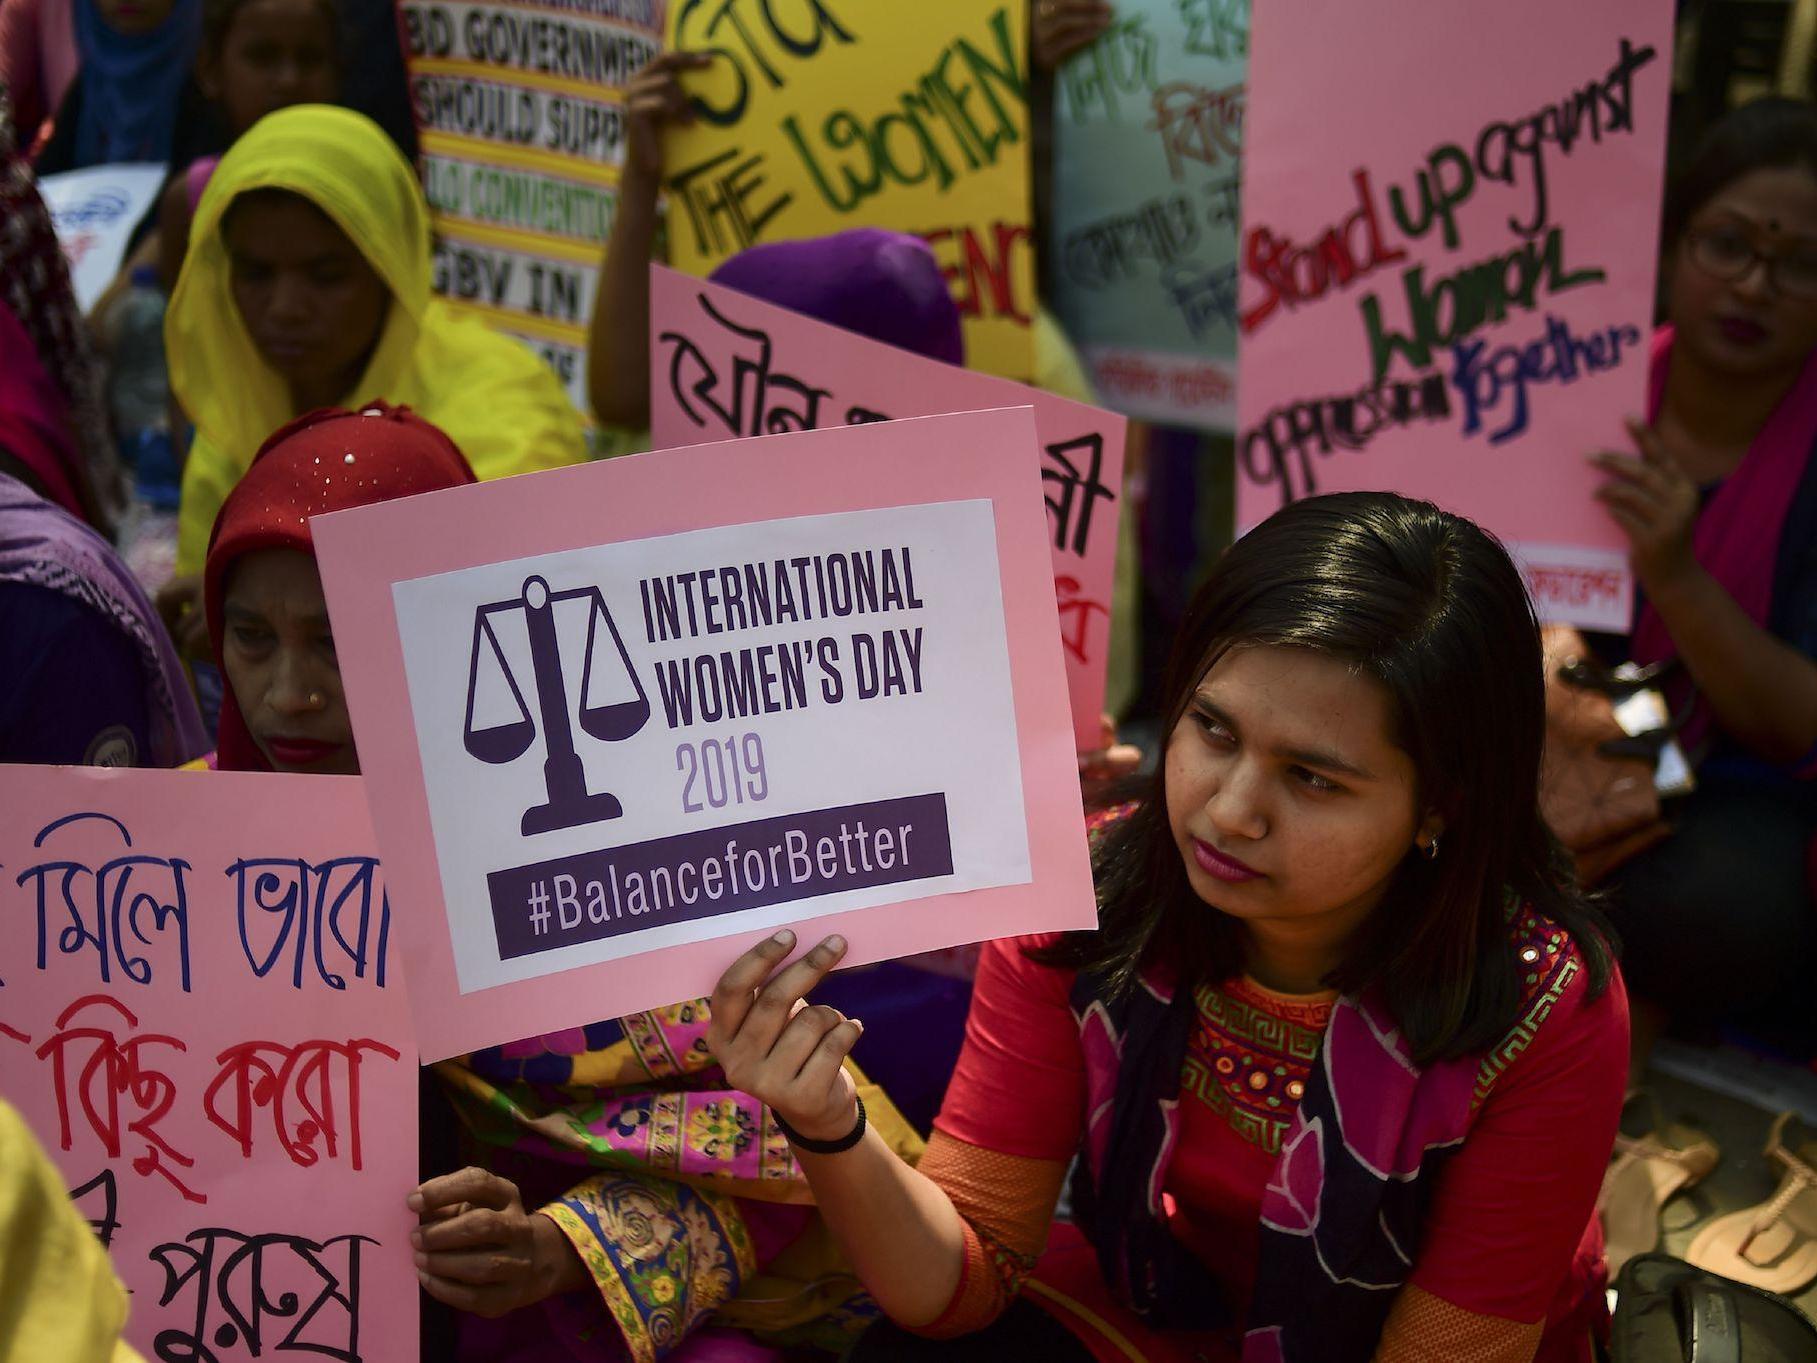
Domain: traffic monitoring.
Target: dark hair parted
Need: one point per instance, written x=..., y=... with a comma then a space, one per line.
x=1768, y=134
x=1431, y=608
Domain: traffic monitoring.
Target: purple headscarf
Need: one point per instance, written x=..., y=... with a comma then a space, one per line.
x=42, y=545
x=884, y=285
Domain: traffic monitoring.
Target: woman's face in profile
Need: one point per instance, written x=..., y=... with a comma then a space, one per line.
x=1723, y=303
x=279, y=658
x=1286, y=795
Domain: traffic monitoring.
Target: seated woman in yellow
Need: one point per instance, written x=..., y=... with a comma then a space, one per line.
x=306, y=285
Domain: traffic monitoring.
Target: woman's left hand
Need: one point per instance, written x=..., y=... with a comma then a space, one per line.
x=478, y=1250
x=1656, y=503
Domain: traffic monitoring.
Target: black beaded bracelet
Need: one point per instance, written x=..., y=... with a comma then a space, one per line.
x=801, y=1142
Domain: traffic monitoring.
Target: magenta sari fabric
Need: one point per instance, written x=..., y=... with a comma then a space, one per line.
x=1738, y=533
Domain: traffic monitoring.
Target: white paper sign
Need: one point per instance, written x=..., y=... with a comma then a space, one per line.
x=748, y=676
x=94, y=212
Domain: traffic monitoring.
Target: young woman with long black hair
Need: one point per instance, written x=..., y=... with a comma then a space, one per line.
x=1340, y=1071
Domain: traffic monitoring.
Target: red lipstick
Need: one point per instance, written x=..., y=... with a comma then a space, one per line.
x=1215, y=863
x=300, y=752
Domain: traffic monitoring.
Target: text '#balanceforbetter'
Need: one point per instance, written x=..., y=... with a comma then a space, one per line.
x=715, y=871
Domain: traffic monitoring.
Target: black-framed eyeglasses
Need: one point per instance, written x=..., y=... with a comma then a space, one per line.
x=1725, y=254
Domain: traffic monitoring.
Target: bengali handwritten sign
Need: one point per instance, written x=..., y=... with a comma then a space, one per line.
x=1448, y=281
x=724, y=364
x=201, y=1020
x=1148, y=146
x=624, y=720
x=94, y=212
x=819, y=115
x=521, y=111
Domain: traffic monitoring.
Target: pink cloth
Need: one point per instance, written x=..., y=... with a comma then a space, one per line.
x=196, y=178
x=34, y=423
x=1738, y=532
x=395, y=453
x=38, y=60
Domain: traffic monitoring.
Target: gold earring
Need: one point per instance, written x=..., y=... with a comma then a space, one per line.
x=1431, y=849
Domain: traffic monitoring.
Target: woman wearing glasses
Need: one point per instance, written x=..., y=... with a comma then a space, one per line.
x=1720, y=509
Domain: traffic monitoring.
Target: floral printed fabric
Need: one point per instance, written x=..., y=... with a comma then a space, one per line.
x=678, y=1174
x=665, y=1256
x=639, y=1094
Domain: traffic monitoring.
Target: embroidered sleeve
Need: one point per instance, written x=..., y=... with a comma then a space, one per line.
x=1007, y=1203
x=1510, y=1230
x=1423, y=1328
x=662, y=1256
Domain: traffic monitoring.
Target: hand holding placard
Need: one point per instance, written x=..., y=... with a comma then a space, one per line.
x=813, y=694
x=787, y=1056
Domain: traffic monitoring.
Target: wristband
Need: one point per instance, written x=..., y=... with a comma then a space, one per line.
x=844, y=1143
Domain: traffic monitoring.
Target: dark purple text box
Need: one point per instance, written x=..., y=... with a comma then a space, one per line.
x=689, y=876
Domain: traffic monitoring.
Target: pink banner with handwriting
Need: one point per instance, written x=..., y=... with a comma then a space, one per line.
x=1448, y=266
x=201, y=1022
x=723, y=364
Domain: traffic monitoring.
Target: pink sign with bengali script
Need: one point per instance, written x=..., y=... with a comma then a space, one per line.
x=201, y=1021
x=1448, y=266
x=723, y=364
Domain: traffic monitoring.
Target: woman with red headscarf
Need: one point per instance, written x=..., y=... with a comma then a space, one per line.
x=538, y=1236
x=283, y=709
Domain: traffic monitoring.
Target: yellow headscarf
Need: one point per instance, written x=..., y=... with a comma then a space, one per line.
x=493, y=397
x=62, y=1299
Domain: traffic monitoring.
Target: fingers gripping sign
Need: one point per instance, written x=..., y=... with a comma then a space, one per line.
x=478, y=1250
x=654, y=98
x=778, y=1048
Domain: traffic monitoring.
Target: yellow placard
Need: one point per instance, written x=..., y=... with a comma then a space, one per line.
x=820, y=115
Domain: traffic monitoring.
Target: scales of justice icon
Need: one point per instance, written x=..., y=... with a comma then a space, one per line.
x=506, y=730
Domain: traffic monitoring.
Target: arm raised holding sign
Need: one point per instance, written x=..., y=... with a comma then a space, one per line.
x=618, y=348
x=904, y=1236
x=1226, y=1027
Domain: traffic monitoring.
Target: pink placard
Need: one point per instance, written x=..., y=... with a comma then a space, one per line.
x=613, y=780
x=201, y=1022
x=723, y=364
x=1450, y=241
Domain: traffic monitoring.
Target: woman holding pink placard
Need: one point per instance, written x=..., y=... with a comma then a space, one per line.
x=1338, y=1075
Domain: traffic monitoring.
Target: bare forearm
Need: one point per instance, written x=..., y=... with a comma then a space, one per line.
x=1764, y=692
x=901, y=1232
x=618, y=348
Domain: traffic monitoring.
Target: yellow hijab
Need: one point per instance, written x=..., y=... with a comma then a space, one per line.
x=493, y=397
x=61, y=1298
